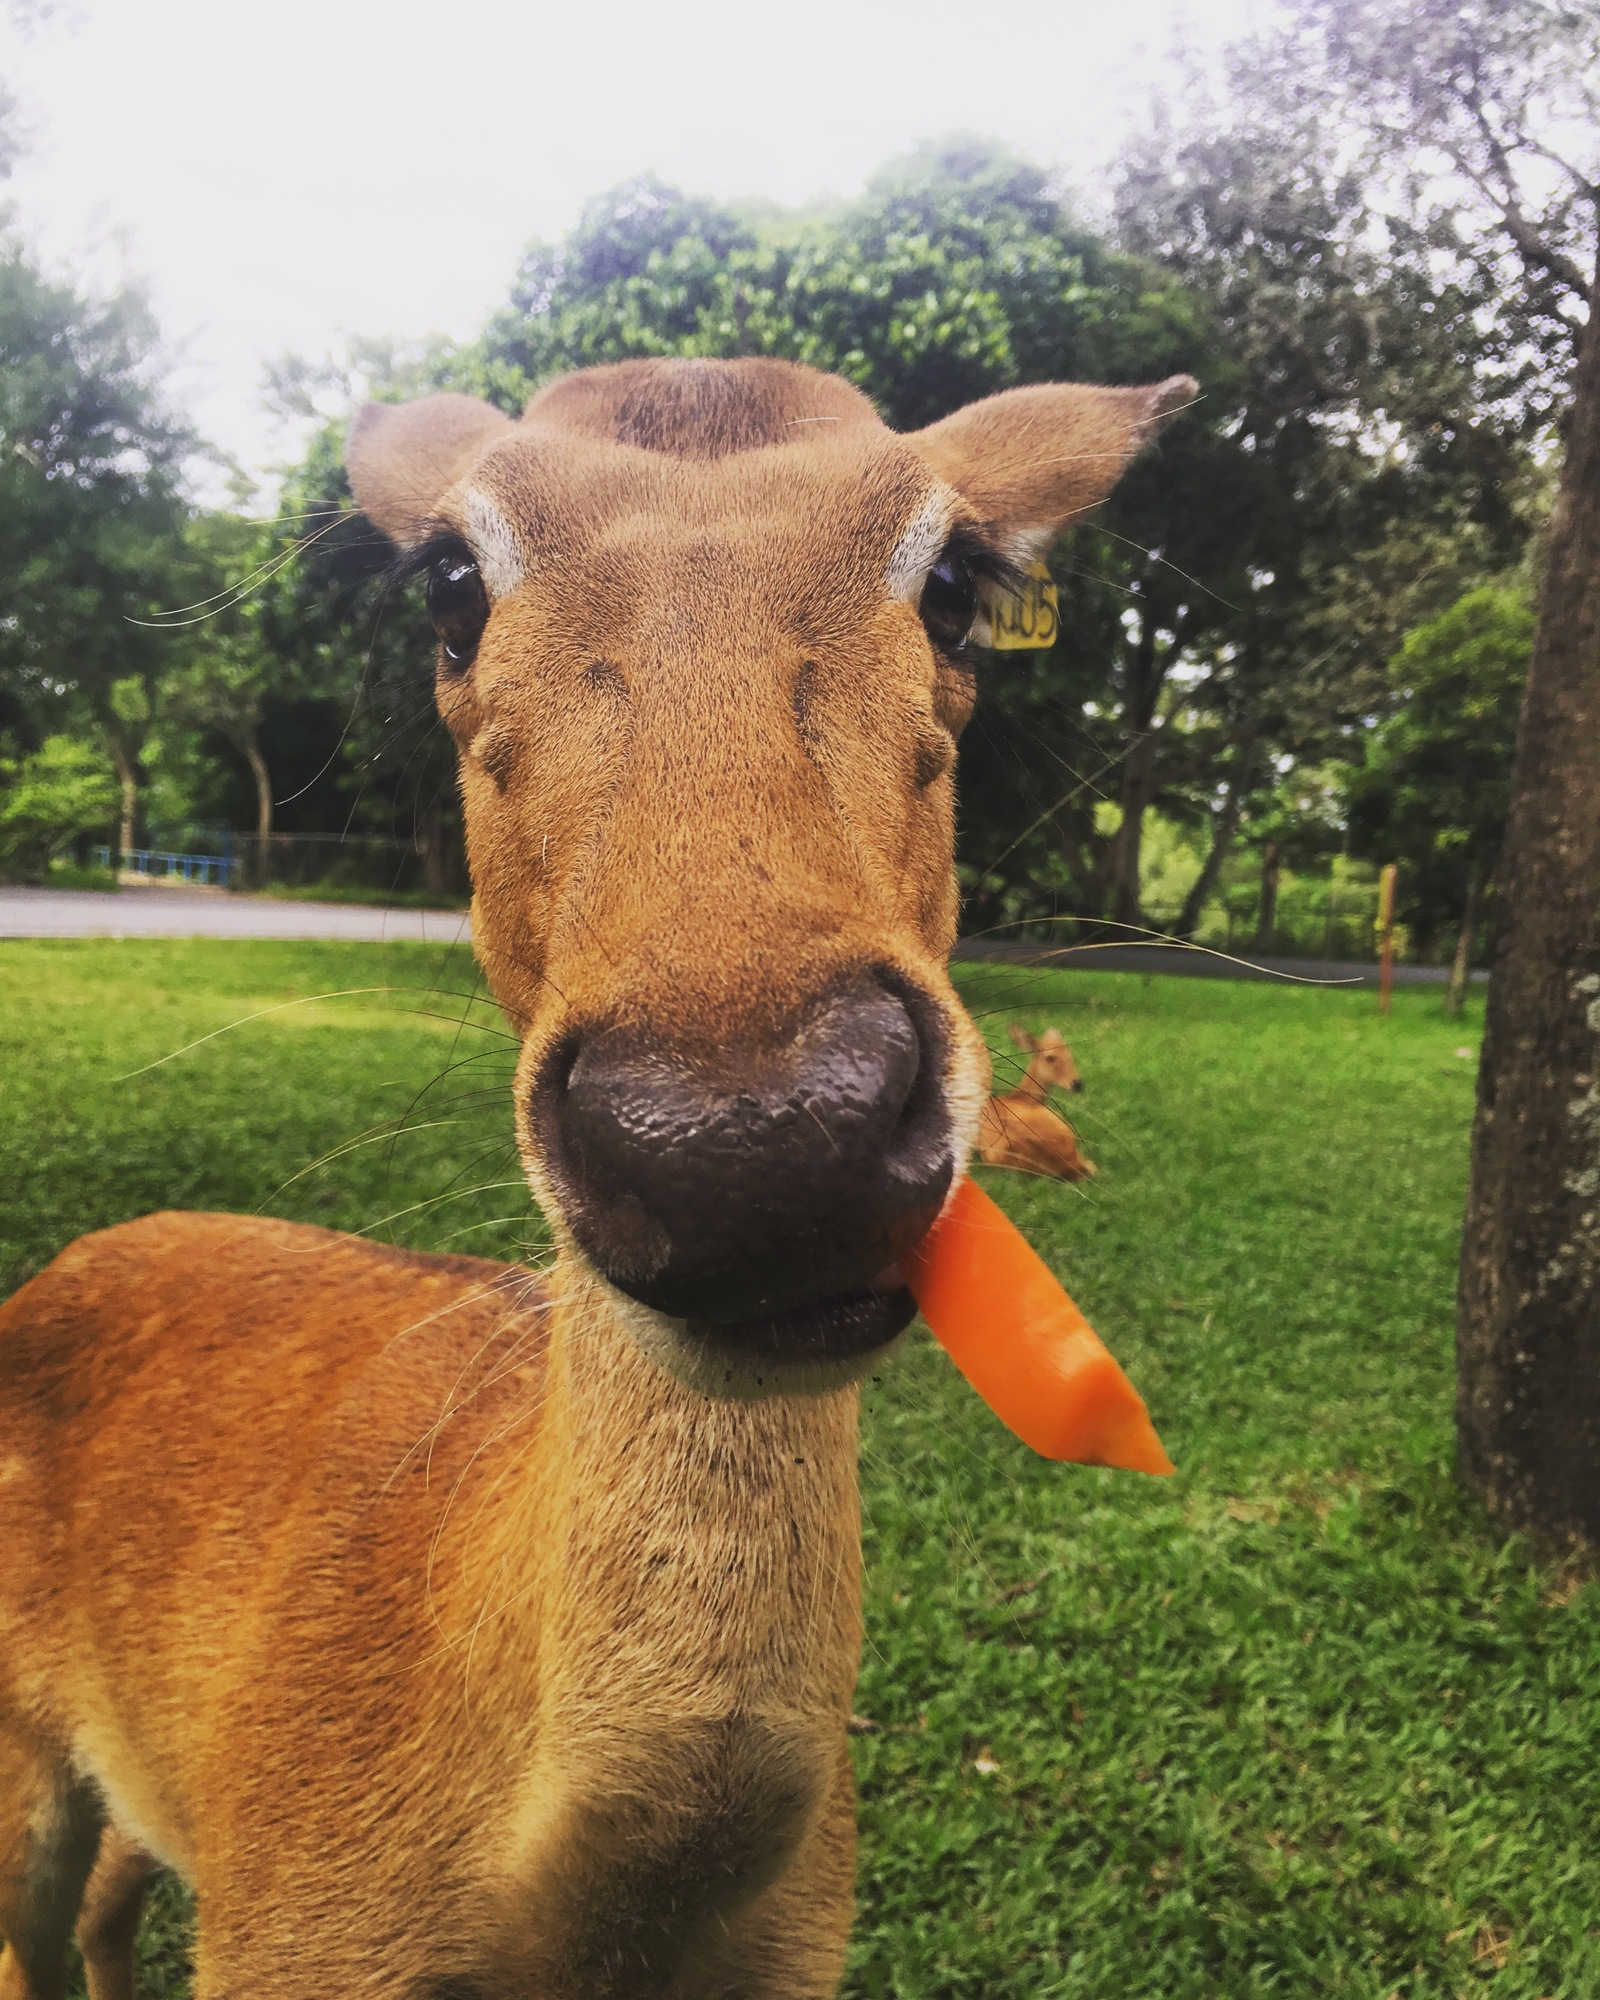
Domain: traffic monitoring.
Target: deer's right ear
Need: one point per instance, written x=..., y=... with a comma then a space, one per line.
x=1020, y=1036
x=404, y=457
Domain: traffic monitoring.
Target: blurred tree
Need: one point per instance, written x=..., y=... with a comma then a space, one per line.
x=62, y=789
x=1433, y=789
x=354, y=713
x=125, y=721
x=226, y=672
x=90, y=512
x=1357, y=476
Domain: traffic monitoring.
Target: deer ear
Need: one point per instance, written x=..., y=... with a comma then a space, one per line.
x=1029, y=461
x=404, y=457
x=1020, y=1036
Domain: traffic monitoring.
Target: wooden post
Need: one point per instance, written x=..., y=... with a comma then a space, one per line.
x=1385, y=937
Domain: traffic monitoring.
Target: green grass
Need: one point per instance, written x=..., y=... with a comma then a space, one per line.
x=1289, y=1724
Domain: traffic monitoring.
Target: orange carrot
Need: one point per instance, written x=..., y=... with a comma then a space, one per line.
x=997, y=1310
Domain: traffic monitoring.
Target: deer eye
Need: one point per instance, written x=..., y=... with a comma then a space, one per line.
x=949, y=603
x=458, y=606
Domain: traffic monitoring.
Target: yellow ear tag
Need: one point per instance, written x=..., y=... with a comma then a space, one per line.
x=1028, y=620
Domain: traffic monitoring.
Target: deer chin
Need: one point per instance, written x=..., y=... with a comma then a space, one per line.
x=807, y=1350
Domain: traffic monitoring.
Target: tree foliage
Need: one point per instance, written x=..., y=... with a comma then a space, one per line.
x=62, y=789
x=1433, y=786
x=90, y=509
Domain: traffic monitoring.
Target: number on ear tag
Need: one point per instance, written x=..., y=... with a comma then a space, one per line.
x=1028, y=620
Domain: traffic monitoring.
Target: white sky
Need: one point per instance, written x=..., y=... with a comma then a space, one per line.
x=287, y=172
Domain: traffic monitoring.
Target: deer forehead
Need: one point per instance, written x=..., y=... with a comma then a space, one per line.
x=793, y=514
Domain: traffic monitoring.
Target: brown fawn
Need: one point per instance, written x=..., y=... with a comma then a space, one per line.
x=463, y=1633
x=1017, y=1128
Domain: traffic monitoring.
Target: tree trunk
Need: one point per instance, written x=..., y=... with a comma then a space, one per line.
x=258, y=771
x=1144, y=674
x=1138, y=788
x=128, y=778
x=1455, y=993
x=1267, y=909
x=1223, y=829
x=1528, y=1346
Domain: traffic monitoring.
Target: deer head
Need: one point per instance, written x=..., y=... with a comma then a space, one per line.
x=707, y=635
x=1050, y=1060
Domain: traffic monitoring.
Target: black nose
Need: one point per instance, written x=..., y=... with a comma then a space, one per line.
x=741, y=1187
x=1077, y=1083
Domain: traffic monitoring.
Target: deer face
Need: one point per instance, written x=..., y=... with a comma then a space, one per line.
x=705, y=635
x=1050, y=1060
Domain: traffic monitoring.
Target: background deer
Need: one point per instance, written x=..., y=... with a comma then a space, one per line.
x=1018, y=1127
x=458, y=1631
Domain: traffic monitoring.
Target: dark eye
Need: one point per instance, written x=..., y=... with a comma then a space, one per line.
x=949, y=603
x=458, y=606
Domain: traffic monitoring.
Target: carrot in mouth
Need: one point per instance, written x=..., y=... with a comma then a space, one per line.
x=997, y=1310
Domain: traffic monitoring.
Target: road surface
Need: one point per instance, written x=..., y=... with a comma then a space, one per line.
x=120, y=913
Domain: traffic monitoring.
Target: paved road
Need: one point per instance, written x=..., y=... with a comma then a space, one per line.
x=1197, y=964
x=63, y=913
x=199, y=913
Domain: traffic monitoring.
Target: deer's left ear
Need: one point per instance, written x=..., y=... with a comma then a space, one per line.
x=1029, y=461
x=1020, y=1036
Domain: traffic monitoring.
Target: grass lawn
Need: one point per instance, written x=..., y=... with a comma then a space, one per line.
x=1289, y=1724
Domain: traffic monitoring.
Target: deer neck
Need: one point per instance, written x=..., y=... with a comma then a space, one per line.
x=1032, y=1089
x=686, y=1582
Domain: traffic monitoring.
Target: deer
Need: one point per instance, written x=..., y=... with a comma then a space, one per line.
x=1018, y=1128
x=463, y=1630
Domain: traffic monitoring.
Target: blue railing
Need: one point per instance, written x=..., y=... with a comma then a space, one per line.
x=162, y=866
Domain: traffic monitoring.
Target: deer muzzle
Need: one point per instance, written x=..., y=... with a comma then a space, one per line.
x=762, y=1194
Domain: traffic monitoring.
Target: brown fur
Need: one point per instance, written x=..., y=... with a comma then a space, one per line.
x=444, y=1625
x=1019, y=1128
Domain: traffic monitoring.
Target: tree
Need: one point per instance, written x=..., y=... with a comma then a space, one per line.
x=1353, y=476
x=126, y=719
x=91, y=514
x=1477, y=124
x=349, y=659
x=62, y=789
x=1433, y=789
x=226, y=673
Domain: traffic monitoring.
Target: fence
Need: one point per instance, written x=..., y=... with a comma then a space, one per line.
x=373, y=864
x=159, y=864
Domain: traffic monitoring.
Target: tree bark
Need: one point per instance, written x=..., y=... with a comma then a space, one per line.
x=1455, y=993
x=1267, y=908
x=1223, y=829
x=1528, y=1320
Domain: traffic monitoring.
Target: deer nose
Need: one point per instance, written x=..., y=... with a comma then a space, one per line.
x=738, y=1188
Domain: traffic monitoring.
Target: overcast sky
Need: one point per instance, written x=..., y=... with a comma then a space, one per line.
x=290, y=171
